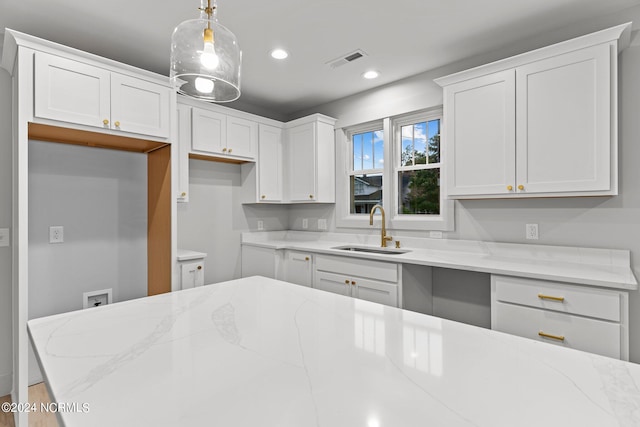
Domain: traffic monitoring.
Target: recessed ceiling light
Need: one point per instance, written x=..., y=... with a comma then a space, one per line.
x=279, y=53
x=371, y=74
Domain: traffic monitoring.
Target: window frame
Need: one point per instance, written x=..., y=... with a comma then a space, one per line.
x=390, y=127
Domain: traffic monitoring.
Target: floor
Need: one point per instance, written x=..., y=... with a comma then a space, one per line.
x=37, y=394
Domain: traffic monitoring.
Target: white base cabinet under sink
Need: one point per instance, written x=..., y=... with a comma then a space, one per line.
x=359, y=278
x=580, y=317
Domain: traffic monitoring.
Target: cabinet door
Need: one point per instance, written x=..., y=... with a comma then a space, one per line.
x=71, y=91
x=563, y=122
x=242, y=137
x=301, y=149
x=270, y=164
x=192, y=274
x=480, y=135
x=139, y=106
x=208, y=131
x=184, y=145
x=298, y=268
x=330, y=282
x=374, y=291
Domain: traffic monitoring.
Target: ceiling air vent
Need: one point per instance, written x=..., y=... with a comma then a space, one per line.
x=346, y=58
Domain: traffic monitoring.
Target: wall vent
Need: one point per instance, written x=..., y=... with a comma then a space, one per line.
x=347, y=58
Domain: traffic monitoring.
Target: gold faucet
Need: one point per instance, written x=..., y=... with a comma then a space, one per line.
x=383, y=232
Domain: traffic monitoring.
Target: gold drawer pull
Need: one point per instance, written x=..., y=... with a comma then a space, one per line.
x=105, y=122
x=509, y=187
x=199, y=267
x=353, y=283
x=520, y=187
x=346, y=281
x=306, y=258
x=117, y=124
x=224, y=150
x=552, y=298
x=553, y=337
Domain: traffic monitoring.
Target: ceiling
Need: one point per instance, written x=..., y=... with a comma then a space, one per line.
x=401, y=38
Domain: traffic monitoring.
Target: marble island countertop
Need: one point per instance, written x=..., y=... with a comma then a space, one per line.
x=589, y=266
x=260, y=352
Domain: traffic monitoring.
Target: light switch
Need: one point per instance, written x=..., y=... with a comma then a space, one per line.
x=4, y=237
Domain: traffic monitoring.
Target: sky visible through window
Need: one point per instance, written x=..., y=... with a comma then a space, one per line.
x=368, y=150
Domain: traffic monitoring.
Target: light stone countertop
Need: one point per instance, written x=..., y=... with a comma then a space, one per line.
x=608, y=268
x=260, y=352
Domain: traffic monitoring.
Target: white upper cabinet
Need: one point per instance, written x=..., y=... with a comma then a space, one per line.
x=215, y=133
x=311, y=159
x=270, y=164
x=481, y=116
x=563, y=122
x=541, y=124
x=74, y=92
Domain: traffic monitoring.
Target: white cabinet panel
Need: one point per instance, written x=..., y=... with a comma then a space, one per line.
x=192, y=274
x=209, y=131
x=270, y=164
x=138, y=106
x=184, y=146
x=574, y=316
x=375, y=291
x=563, y=122
x=298, y=268
x=71, y=91
x=242, y=137
x=581, y=333
x=332, y=282
x=480, y=135
x=301, y=143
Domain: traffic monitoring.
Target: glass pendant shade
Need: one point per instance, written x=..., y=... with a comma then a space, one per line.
x=205, y=58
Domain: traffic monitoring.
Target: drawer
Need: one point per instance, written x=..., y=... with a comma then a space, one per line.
x=581, y=333
x=350, y=266
x=573, y=299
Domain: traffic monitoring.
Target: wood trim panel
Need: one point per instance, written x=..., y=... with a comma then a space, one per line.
x=159, y=259
x=217, y=159
x=63, y=135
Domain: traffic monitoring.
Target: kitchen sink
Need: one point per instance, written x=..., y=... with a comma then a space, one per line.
x=372, y=250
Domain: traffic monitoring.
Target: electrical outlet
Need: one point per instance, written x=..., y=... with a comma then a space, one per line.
x=56, y=234
x=96, y=298
x=531, y=231
x=260, y=225
x=322, y=224
x=305, y=223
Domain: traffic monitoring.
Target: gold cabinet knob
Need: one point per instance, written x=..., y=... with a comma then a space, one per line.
x=353, y=283
x=224, y=150
x=264, y=197
x=230, y=149
x=346, y=281
x=509, y=187
x=183, y=194
x=105, y=122
x=520, y=187
x=311, y=196
x=306, y=258
x=117, y=123
x=199, y=267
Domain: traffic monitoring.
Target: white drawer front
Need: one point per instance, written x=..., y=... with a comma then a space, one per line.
x=595, y=336
x=350, y=266
x=566, y=298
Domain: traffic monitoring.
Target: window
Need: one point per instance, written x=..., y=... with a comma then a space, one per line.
x=365, y=176
x=395, y=163
x=418, y=166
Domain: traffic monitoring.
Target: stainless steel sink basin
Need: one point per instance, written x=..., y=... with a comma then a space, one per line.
x=372, y=250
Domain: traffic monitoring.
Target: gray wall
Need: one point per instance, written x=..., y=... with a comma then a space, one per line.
x=600, y=222
x=100, y=198
x=214, y=218
x=6, y=364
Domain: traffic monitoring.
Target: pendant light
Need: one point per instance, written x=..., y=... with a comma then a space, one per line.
x=205, y=58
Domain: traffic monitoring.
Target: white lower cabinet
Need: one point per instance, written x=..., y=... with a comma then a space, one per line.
x=298, y=268
x=359, y=278
x=584, y=318
x=191, y=265
x=259, y=261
